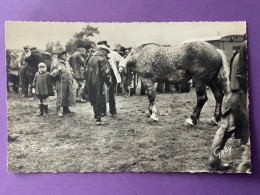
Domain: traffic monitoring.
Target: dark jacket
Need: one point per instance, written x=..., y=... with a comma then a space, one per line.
x=98, y=73
x=242, y=67
x=239, y=73
x=33, y=60
x=43, y=85
x=77, y=61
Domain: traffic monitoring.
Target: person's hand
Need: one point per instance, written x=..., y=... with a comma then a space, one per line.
x=61, y=70
x=121, y=69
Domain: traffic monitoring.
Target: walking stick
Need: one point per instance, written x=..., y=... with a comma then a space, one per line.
x=61, y=86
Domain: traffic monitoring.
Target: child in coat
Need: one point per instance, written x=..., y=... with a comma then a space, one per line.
x=43, y=88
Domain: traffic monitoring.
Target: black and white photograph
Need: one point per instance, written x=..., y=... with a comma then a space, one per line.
x=127, y=97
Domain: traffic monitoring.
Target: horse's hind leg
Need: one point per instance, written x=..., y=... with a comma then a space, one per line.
x=149, y=85
x=218, y=94
x=201, y=100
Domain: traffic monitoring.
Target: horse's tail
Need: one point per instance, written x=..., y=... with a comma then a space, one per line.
x=223, y=75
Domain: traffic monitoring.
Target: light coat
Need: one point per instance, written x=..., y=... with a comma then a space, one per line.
x=63, y=83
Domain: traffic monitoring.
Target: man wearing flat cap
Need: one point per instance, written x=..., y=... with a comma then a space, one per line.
x=33, y=60
x=98, y=73
x=76, y=62
x=23, y=81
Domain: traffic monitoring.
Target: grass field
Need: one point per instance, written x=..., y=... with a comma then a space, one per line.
x=131, y=142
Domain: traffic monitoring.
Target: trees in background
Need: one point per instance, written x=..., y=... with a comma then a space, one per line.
x=81, y=37
x=51, y=46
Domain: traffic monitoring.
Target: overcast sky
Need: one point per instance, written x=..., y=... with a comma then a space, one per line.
x=38, y=34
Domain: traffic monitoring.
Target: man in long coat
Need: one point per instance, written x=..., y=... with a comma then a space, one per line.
x=63, y=74
x=114, y=60
x=98, y=73
x=235, y=119
x=33, y=61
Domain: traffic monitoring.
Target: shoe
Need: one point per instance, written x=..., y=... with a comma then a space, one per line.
x=98, y=121
x=45, y=110
x=24, y=96
x=59, y=112
x=66, y=110
x=114, y=115
x=219, y=165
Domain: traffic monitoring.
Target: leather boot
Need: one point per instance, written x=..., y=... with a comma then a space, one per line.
x=218, y=144
x=41, y=110
x=45, y=110
x=66, y=110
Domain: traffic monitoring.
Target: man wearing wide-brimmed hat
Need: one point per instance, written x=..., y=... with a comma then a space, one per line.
x=114, y=60
x=33, y=60
x=98, y=73
x=64, y=82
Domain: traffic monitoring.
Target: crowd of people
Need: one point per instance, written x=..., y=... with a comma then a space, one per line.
x=37, y=78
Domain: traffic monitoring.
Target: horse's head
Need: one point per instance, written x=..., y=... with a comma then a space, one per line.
x=130, y=60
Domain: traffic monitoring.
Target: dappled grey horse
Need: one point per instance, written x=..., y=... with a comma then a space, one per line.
x=199, y=61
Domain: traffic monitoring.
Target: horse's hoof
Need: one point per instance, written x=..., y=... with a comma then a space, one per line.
x=154, y=117
x=147, y=113
x=213, y=122
x=189, y=122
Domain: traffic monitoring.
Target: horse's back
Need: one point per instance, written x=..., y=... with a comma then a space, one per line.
x=176, y=64
x=154, y=61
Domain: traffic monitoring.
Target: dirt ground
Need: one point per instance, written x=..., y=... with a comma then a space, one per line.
x=131, y=142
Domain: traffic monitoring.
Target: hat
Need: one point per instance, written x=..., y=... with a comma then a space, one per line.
x=103, y=43
x=32, y=49
x=60, y=51
x=41, y=64
x=26, y=47
x=103, y=47
x=122, y=49
x=14, y=54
